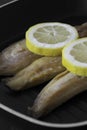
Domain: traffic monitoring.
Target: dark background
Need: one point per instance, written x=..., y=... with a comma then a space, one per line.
x=19, y=16
x=16, y=18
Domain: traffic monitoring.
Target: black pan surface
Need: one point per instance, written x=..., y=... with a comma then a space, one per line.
x=15, y=19
x=73, y=111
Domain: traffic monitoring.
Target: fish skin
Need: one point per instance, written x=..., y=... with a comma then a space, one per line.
x=15, y=57
x=82, y=30
x=61, y=88
x=40, y=71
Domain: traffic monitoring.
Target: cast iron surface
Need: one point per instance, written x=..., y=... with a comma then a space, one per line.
x=74, y=110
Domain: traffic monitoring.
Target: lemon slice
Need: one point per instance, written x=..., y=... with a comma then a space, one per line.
x=49, y=38
x=74, y=57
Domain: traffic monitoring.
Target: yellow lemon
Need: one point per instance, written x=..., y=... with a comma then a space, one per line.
x=49, y=38
x=74, y=57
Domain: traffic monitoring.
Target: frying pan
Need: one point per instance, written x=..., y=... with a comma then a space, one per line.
x=15, y=20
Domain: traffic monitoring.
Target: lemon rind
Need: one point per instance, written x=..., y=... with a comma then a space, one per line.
x=43, y=51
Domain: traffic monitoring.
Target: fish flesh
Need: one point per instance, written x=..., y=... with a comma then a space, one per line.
x=61, y=88
x=16, y=57
x=82, y=30
x=40, y=71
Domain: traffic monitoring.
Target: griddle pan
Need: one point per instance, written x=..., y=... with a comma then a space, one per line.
x=13, y=26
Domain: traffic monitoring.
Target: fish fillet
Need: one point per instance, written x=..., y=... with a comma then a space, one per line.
x=15, y=57
x=63, y=87
x=41, y=70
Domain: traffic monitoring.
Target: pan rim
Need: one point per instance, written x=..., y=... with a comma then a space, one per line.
x=8, y=3
x=38, y=122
